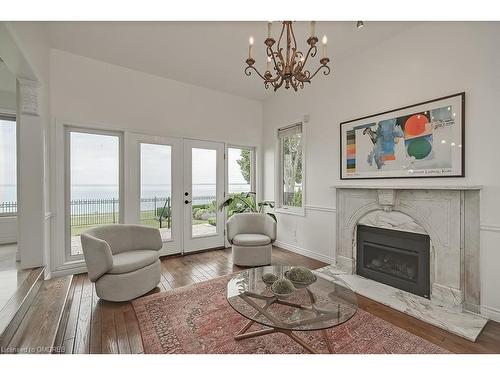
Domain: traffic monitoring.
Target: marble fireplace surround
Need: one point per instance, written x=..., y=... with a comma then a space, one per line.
x=449, y=215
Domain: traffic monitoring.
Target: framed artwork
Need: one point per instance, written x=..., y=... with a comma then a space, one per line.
x=421, y=140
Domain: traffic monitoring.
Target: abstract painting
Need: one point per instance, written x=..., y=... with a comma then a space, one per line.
x=421, y=140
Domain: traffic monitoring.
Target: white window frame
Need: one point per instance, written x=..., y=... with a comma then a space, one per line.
x=68, y=257
x=11, y=116
x=280, y=207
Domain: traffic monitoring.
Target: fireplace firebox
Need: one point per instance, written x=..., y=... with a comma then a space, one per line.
x=396, y=258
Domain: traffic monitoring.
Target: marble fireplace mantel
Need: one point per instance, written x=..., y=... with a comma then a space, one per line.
x=402, y=186
x=449, y=215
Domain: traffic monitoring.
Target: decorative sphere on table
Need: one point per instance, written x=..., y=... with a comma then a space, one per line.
x=269, y=278
x=282, y=286
x=301, y=275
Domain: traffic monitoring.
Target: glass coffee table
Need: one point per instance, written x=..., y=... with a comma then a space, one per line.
x=323, y=304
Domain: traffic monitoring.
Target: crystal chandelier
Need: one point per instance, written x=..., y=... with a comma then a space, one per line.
x=288, y=66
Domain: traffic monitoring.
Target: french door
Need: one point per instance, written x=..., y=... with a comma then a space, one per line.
x=202, y=195
x=158, y=194
x=179, y=191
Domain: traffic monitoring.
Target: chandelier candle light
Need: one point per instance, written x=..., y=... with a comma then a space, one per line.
x=288, y=65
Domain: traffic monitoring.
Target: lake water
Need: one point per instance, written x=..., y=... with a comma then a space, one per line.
x=202, y=193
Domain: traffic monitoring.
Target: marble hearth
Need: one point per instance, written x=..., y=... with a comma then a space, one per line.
x=449, y=215
x=455, y=320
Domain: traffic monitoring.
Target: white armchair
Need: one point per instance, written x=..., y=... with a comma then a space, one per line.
x=251, y=236
x=122, y=260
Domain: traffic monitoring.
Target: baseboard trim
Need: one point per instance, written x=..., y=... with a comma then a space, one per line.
x=305, y=252
x=491, y=313
x=67, y=271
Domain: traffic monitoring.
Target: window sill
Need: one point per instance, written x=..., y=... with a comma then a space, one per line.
x=291, y=211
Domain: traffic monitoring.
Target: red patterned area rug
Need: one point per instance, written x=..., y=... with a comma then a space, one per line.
x=198, y=319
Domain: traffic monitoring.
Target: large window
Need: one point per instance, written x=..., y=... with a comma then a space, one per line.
x=8, y=180
x=240, y=170
x=291, y=167
x=240, y=173
x=94, y=182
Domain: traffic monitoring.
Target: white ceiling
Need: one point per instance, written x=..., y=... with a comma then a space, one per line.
x=208, y=54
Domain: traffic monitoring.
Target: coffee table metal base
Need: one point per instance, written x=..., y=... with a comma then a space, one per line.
x=319, y=306
x=243, y=334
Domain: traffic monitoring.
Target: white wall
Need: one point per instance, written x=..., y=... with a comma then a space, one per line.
x=423, y=63
x=7, y=100
x=8, y=229
x=93, y=92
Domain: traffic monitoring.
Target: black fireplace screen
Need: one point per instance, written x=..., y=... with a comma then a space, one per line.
x=396, y=258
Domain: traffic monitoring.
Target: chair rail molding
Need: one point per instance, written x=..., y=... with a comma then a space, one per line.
x=320, y=208
x=490, y=227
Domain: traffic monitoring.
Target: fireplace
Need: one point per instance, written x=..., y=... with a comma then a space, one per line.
x=396, y=258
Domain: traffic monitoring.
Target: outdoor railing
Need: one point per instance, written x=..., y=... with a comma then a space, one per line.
x=8, y=207
x=94, y=211
x=105, y=211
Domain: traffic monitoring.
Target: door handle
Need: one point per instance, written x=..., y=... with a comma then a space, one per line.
x=187, y=202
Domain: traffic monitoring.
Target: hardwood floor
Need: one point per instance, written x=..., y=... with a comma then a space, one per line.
x=39, y=326
x=487, y=342
x=93, y=326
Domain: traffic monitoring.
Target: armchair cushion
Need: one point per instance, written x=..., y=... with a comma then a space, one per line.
x=251, y=223
x=129, y=261
x=251, y=239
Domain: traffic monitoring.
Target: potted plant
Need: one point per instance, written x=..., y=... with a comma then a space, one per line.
x=246, y=202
